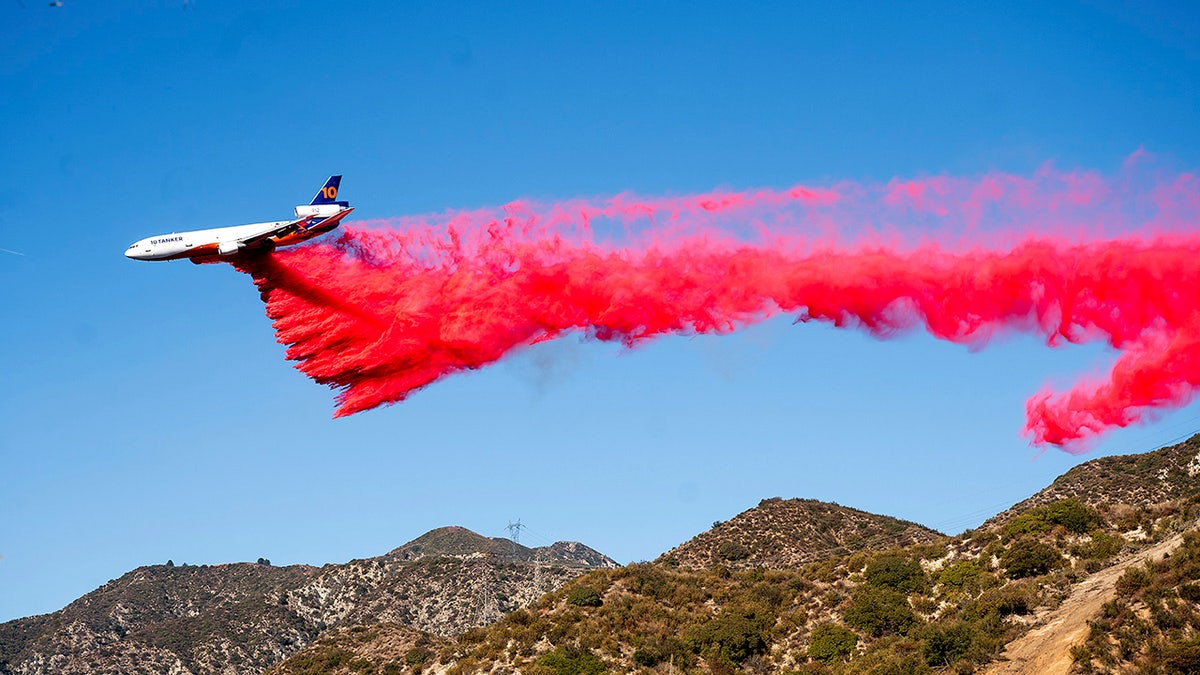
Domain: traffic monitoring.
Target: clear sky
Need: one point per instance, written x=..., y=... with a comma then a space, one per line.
x=148, y=414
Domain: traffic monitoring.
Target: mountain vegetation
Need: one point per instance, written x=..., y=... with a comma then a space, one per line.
x=783, y=534
x=795, y=586
x=790, y=586
x=244, y=617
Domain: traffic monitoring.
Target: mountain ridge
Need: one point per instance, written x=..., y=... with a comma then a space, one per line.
x=204, y=618
x=781, y=533
x=786, y=586
x=935, y=604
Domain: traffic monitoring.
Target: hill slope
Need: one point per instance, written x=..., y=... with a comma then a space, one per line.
x=937, y=605
x=1116, y=484
x=783, y=534
x=245, y=617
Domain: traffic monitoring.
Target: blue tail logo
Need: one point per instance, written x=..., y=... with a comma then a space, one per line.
x=328, y=192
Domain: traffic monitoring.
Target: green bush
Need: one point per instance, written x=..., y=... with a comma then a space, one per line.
x=571, y=661
x=831, y=642
x=416, y=656
x=944, y=646
x=730, y=636
x=732, y=550
x=1028, y=557
x=1182, y=657
x=1015, y=598
x=961, y=576
x=1133, y=580
x=1190, y=592
x=1030, y=522
x=1102, y=547
x=896, y=572
x=880, y=611
x=1073, y=515
x=584, y=596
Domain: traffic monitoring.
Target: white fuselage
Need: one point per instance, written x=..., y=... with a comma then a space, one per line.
x=186, y=244
x=201, y=246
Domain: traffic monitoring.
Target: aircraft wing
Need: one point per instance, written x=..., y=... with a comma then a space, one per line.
x=280, y=230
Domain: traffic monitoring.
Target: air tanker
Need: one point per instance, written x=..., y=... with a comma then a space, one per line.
x=317, y=217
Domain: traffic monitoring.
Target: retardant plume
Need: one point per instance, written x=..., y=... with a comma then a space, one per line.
x=387, y=308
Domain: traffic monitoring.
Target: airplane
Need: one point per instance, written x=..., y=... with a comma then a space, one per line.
x=319, y=216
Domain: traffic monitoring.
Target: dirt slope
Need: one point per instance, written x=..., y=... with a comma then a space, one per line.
x=1047, y=649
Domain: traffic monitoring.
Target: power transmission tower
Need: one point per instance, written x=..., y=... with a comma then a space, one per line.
x=514, y=533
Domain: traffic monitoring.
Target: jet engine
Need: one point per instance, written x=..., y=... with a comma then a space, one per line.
x=318, y=210
x=227, y=247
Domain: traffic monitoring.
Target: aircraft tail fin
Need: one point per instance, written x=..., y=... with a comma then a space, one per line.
x=328, y=192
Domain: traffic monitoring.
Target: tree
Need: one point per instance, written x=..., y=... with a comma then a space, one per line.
x=170, y=563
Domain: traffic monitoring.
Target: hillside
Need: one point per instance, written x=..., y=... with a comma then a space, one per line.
x=937, y=605
x=355, y=649
x=790, y=586
x=246, y=617
x=784, y=534
x=1116, y=484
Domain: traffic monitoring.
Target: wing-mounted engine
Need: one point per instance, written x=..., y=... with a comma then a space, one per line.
x=229, y=247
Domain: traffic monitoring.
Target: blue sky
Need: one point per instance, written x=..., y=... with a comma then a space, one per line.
x=148, y=414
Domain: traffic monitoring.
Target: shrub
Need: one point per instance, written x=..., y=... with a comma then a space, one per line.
x=944, y=646
x=1073, y=515
x=571, y=661
x=961, y=575
x=1102, y=547
x=584, y=596
x=416, y=656
x=896, y=572
x=652, y=650
x=880, y=611
x=1133, y=580
x=1029, y=557
x=732, y=550
x=831, y=642
x=1182, y=657
x=730, y=637
x=645, y=657
x=1030, y=522
x=1015, y=598
x=651, y=580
